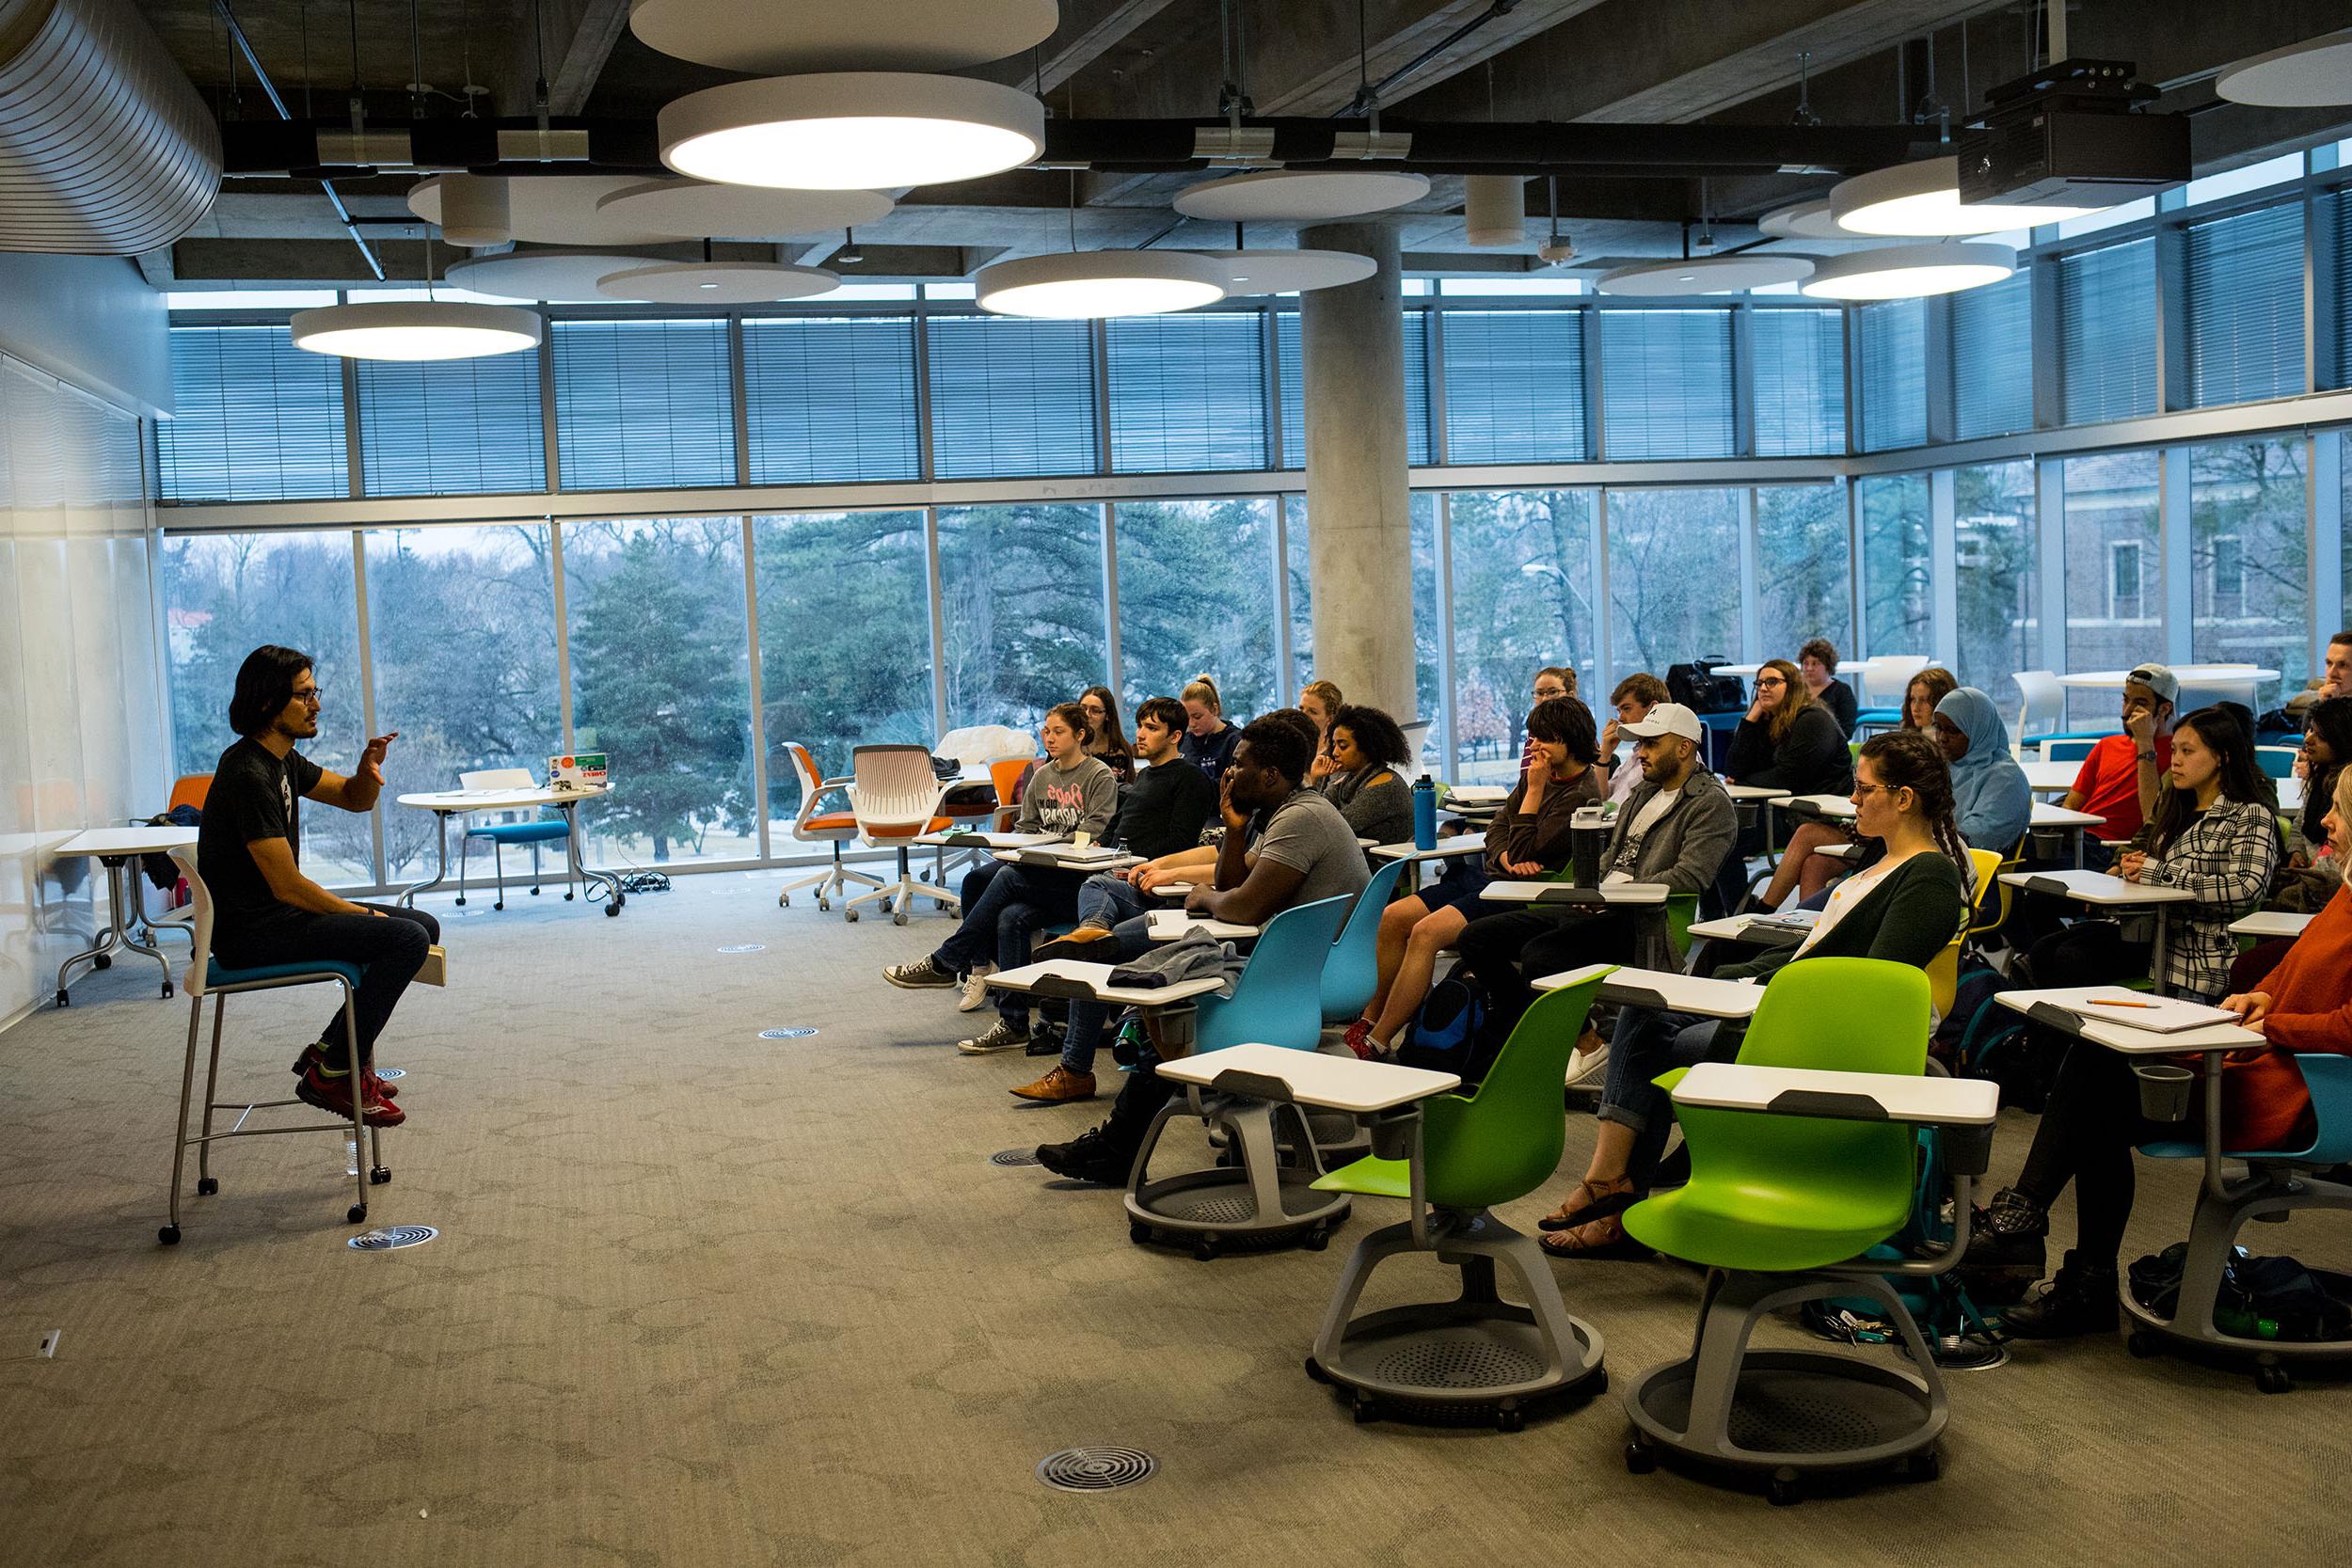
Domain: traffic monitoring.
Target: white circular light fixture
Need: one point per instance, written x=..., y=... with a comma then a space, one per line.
x=2314, y=74
x=1704, y=274
x=696, y=209
x=1289, y=271
x=1923, y=199
x=549, y=275
x=1803, y=220
x=1301, y=197
x=416, y=330
x=717, y=283
x=896, y=35
x=1085, y=284
x=850, y=131
x=549, y=209
x=1909, y=270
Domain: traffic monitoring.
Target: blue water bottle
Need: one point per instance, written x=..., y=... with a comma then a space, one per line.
x=1424, y=814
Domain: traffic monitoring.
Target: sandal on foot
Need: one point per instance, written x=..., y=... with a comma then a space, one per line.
x=1619, y=1247
x=1602, y=1206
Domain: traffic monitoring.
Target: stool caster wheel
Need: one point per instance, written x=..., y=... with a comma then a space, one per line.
x=783, y=900
x=1367, y=1412
x=822, y=902
x=1317, y=1239
x=498, y=904
x=461, y=900
x=613, y=910
x=2142, y=1344
x=1782, y=1489
x=61, y=997
x=356, y=1214
x=1203, y=1252
x=850, y=916
x=1138, y=1232
x=567, y=895
x=534, y=893
x=1923, y=1466
x=2273, y=1380
x=378, y=1176
x=900, y=918
x=1509, y=1418
x=103, y=962
x=1315, y=1373
x=1597, y=1384
x=168, y=1235
x=1640, y=1458
x=207, y=1185
x=168, y=990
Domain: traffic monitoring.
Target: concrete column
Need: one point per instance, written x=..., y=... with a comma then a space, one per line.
x=1360, y=531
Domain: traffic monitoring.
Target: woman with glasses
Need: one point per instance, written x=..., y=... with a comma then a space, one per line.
x=1787, y=741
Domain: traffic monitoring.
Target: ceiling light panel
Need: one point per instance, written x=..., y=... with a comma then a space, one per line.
x=1922, y=199
x=1909, y=270
x=420, y=329
x=1102, y=284
x=831, y=34
x=850, y=131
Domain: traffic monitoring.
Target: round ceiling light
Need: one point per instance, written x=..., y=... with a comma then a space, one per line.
x=1909, y=270
x=1291, y=271
x=1704, y=274
x=562, y=277
x=2314, y=74
x=895, y=34
x=850, y=131
x=717, y=283
x=1091, y=283
x=693, y=208
x=1301, y=197
x=551, y=209
x=1803, y=220
x=416, y=330
x=1923, y=199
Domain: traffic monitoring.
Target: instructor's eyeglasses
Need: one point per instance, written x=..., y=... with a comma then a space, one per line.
x=314, y=696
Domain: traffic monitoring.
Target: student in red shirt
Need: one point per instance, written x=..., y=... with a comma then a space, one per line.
x=2119, y=778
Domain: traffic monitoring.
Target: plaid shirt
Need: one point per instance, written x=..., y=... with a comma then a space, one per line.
x=2225, y=858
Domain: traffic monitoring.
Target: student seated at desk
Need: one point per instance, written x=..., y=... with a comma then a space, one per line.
x=1109, y=743
x=1906, y=908
x=1304, y=853
x=1632, y=700
x=1209, y=740
x=2092, y=1121
x=1368, y=755
x=1321, y=701
x=2311, y=875
x=1786, y=740
x=1818, y=663
x=2333, y=680
x=1553, y=682
x=1675, y=829
x=1529, y=837
x=2213, y=836
x=1072, y=793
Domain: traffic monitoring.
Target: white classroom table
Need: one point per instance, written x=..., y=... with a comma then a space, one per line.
x=1061, y=857
x=1172, y=925
x=117, y=849
x=1663, y=990
x=446, y=804
x=2101, y=891
x=2197, y=676
x=964, y=838
x=1447, y=849
x=1837, y=808
x=1821, y=1091
x=1311, y=1078
x=1076, y=978
x=1759, y=931
x=1567, y=892
x=1757, y=792
x=2270, y=923
x=2058, y=778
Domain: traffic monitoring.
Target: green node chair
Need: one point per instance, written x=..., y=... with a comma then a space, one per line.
x=1260, y=1198
x=1781, y=1209
x=1471, y=1153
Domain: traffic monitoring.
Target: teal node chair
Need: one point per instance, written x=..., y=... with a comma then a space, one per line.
x=1454, y=1163
x=1782, y=1208
x=1351, y=974
x=208, y=978
x=1258, y=1196
x=2276, y=1183
x=549, y=826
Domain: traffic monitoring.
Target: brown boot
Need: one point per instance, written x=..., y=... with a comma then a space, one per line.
x=1058, y=1085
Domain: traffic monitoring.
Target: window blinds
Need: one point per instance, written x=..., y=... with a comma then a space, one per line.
x=1011, y=397
x=2244, y=288
x=1992, y=359
x=1894, y=348
x=831, y=400
x=642, y=404
x=1800, y=375
x=2335, y=358
x=1666, y=384
x=1290, y=369
x=451, y=427
x=2107, y=332
x=1515, y=387
x=259, y=418
x=1187, y=393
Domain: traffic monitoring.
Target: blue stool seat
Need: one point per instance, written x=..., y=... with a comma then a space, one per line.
x=547, y=831
x=1879, y=716
x=217, y=973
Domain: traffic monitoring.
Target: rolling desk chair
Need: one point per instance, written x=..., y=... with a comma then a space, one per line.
x=894, y=797
x=1351, y=973
x=812, y=825
x=548, y=827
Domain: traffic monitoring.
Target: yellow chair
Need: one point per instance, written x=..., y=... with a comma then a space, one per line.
x=1943, y=969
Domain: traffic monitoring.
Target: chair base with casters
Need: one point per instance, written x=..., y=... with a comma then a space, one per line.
x=897, y=895
x=2276, y=1182
x=834, y=879
x=1260, y=1200
x=500, y=836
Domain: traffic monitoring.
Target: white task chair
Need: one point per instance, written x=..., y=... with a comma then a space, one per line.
x=812, y=825
x=894, y=797
x=207, y=977
x=2043, y=716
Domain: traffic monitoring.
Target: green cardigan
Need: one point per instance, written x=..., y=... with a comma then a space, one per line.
x=1908, y=918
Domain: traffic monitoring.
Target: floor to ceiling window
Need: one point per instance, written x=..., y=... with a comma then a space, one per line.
x=1522, y=599
x=2251, y=591
x=1674, y=578
x=1021, y=598
x=1302, y=601
x=461, y=624
x=1428, y=620
x=2114, y=572
x=1196, y=597
x=1804, y=567
x=1898, y=606
x=661, y=685
x=2000, y=626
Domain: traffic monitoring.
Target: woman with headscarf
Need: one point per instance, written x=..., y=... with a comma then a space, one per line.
x=1990, y=795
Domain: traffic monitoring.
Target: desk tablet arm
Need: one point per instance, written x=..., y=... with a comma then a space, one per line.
x=1635, y=996
x=1062, y=988
x=1236, y=1083
x=2047, y=884
x=1565, y=893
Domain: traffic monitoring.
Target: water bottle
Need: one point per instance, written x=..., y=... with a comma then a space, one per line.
x=1424, y=814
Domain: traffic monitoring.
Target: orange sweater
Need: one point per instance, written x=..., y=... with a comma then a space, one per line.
x=2310, y=1010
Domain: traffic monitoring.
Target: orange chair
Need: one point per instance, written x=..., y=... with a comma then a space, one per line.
x=1007, y=777
x=812, y=825
x=190, y=789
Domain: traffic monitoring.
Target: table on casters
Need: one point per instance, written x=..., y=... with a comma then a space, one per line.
x=446, y=804
x=119, y=849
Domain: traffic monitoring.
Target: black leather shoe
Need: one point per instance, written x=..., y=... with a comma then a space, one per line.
x=2081, y=1300
x=1088, y=1157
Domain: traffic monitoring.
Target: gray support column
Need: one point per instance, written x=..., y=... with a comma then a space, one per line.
x=1359, y=511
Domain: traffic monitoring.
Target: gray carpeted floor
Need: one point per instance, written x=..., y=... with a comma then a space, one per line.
x=704, y=1299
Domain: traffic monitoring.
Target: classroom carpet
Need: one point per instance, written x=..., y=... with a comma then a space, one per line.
x=702, y=1298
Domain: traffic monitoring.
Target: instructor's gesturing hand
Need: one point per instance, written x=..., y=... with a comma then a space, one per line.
x=372, y=758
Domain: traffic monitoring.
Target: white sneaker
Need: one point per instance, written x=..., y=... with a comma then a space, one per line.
x=974, y=991
x=1587, y=1067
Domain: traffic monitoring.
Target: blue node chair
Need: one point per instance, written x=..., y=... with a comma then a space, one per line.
x=207, y=977
x=2278, y=1182
x=548, y=827
x=2276, y=761
x=1352, y=973
x=1278, y=1001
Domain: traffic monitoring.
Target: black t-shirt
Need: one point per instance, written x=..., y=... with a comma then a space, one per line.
x=253, y=795
x=1164, y=810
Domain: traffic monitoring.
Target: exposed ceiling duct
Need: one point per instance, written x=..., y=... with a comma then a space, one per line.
x=105, y=148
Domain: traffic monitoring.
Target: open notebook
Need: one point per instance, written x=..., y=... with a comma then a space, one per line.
x=2161, y=1015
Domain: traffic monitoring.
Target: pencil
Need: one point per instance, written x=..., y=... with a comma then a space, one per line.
x=2118, y=1002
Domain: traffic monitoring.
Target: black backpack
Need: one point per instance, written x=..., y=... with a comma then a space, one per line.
x=1446, y=1032
x=1698, y=688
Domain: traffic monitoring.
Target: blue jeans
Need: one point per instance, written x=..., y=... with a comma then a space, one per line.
x=1647, y=1043
x=1104, y=901
x=1003, y=907
x=1083, y=1035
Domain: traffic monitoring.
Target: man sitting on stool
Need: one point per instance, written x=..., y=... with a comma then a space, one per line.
x=266, y=912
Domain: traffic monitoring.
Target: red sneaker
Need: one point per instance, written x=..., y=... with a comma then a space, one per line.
x=384, y=1088
x=333, y=1096
x=1359, y=1041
